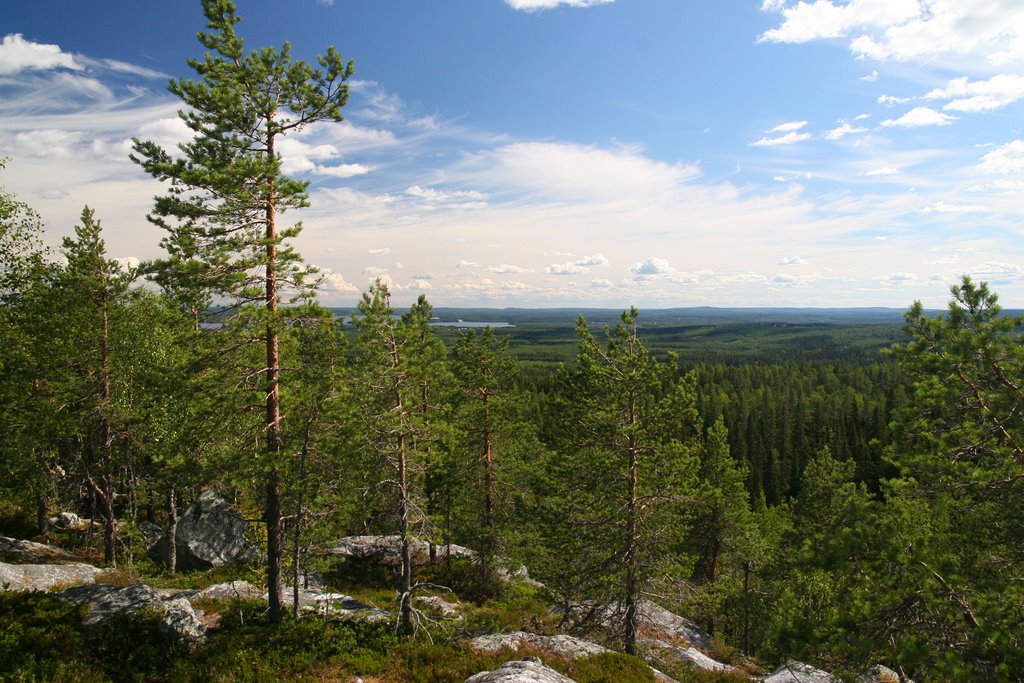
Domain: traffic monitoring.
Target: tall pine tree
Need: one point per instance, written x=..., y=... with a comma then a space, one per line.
x=226, y=194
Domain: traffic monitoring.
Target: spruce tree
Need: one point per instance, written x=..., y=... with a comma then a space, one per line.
x=225, y=195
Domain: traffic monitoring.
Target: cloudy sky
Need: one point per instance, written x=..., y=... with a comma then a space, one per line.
x=577, y=152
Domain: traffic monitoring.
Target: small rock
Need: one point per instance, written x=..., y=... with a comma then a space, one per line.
x=44, y=577
x=70, y=522
x=798, y=672
x=525, y=671
x=436, y=602
x=880, y=674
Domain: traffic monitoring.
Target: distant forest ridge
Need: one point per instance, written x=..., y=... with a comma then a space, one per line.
x=695, y=315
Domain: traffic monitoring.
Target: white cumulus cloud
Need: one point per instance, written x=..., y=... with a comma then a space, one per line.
x=18, y=54
x=792, y=261
x=652, y=266
x=569, y=268
x=920, y=116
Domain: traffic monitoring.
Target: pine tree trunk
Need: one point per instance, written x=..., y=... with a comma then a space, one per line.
x=273, y=520
x=632, y=510
x=172, y=531
x=489, y=495
x=405, y=605
x=42, y=523
x=273, y=418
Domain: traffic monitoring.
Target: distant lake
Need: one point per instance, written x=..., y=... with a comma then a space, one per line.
x=469, y=323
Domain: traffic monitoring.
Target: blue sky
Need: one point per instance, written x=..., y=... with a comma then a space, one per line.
x=577, y=152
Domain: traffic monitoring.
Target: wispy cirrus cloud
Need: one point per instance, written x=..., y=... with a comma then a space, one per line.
x=973, y=96
x=537, y=5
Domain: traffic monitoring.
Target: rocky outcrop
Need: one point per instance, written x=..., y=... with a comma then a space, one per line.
x=210, y=534
x=561, y=645
x=798, y=672
x=45, y=577
x=388, y=550
x=662, y=652
x=529, y=670
x=29, y=551
x=177, y=616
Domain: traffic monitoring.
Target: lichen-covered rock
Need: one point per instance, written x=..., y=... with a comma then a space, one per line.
x=562, y=645
x=177, y=616
x=525, y=671
x=30, y=551
x=45, y=577
x=210, y=534
x=798, y=672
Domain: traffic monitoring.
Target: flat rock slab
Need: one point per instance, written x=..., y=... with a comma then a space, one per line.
x=562, y=645
x=690, y=656
x=798, y=672
x=30, y=551
x=45, y=577
x=242, y=590
x=525, y=671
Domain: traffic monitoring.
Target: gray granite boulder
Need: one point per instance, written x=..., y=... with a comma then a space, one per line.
x=30, y=551
x=529, y=670
x=177, y=616
x=210, y=534
x=798, y=672
x=45, y=577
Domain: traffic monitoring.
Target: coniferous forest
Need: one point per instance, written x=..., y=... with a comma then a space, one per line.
x=845, y=498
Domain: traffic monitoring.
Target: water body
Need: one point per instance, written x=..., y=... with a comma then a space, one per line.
x=470, y=323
